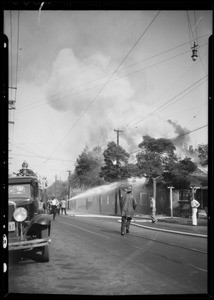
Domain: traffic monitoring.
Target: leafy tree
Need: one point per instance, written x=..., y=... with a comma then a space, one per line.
x=203, y=154
x=115, y=158
x=87, y=168
x=178, y=176
x=158, y=161
x=58, y=189
x=116, y=167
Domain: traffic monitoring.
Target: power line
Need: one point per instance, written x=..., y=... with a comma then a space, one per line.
x=189, y=132
x=169, y=100
x=183, y=134
x=41, y=102
x=36, y=105
x=41, y=156
x=37, y=155
x=105, y=84
x=153, y=112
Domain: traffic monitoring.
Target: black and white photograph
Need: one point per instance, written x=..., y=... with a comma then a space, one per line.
x=107, y=151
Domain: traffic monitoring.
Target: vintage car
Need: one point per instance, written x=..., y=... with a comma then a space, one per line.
x=28, y=224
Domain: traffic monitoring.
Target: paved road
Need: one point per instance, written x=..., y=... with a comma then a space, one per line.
x=89, y=256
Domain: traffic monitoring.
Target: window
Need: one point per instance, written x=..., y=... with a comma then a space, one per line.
x=19, y=190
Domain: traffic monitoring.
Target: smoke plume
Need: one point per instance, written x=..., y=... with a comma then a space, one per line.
x=182, y=137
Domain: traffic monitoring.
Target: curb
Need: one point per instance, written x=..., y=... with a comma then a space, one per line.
x=172, y=231
x=143, y=226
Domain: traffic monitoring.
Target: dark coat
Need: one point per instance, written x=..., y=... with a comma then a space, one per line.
x=128, y=205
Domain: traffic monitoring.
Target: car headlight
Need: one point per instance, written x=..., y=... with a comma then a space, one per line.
x=20, y=214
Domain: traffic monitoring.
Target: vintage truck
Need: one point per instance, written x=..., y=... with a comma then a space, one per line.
x=28, y=225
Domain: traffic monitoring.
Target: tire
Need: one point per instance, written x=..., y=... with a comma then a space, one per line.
x=45, y=254
x=45, y=249
x=14, y=257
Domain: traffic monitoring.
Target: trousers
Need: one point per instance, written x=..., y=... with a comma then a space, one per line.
x=152, y=214
x=125, y=222
x=194, y=216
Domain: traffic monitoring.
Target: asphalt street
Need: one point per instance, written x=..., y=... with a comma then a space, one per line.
x=90, y=257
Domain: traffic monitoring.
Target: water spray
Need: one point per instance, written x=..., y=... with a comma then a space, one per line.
x=109, y=187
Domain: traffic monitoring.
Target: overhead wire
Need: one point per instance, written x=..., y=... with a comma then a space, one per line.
x=37, y=104
x=175, y=82
x=195, y=28
x=105, y=84
x=39, y=156
x=180, y=135
x=167, y=102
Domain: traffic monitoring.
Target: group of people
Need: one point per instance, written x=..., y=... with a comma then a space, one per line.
x=56, y=205
x=128, y=205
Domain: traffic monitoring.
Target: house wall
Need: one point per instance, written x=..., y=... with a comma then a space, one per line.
x=108, y=203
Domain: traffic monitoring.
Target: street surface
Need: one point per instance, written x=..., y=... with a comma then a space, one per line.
x=88, y=256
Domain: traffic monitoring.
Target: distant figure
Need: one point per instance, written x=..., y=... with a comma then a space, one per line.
x=55, y=203
x=58, y=207
x=128, y=205
x=152, y=209
x=194, y=204
x=63, y=206
x=49, y=204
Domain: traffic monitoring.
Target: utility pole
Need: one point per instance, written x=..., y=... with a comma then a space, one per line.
x=55, y=185
x=118, y=132
x=171, y=205
x=69, y=176
x=118, y=191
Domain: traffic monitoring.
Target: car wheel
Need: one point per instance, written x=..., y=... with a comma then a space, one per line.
x=45, y=254
x=45, y=249
x=14, y=257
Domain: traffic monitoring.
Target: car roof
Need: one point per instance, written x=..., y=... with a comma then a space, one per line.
x=22, y=179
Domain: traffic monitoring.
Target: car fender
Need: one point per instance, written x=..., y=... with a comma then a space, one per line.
x=37, y=223
x=41, y=219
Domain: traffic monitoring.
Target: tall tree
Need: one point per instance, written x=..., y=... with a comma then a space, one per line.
x=157, y=161
x=116, y=167
x=115, y=158
x=178, y=174
x=154, y=157
x=87, y=168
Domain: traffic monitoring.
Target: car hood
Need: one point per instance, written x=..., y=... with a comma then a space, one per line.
x=19, y=201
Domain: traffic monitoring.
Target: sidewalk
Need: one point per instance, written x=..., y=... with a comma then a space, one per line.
x=178, y=225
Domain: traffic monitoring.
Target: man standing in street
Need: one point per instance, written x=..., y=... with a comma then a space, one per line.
x=63, y=206
x=152, y=209
x=128, y=205
x=194, y=204
x=55, y=203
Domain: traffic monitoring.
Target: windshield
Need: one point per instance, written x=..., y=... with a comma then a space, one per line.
x=19, y=190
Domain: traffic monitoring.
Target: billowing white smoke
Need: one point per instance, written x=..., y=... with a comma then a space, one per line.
x=76, y=87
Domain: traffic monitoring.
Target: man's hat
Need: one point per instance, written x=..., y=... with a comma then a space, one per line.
x=129, y=188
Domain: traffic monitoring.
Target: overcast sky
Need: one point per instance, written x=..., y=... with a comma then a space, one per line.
x=83, y=74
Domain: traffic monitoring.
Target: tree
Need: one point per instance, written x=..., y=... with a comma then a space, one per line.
x=178, y=176
x=87, y=168
x=203, y=154
x=116, y=167
x=57, y=189
x=115, y=158
x=158, y=161
x=154, y=158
